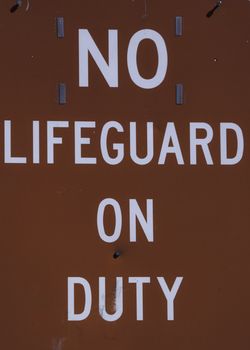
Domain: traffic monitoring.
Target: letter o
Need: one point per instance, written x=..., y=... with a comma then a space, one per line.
x=162, y=59
x=118, y=220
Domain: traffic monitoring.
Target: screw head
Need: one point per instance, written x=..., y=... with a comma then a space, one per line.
x=116, y=254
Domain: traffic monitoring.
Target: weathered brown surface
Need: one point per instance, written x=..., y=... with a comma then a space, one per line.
x=48, y=212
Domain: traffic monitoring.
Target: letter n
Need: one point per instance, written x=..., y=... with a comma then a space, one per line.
x=88, y=46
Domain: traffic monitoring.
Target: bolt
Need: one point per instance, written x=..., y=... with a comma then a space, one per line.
x=116, y=254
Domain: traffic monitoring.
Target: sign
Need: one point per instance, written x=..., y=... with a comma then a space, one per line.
x=125, y=175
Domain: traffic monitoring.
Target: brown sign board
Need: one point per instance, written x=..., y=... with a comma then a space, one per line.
x=125, y=174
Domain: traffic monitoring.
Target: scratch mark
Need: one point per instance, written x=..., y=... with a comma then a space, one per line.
x=211, y=12
x=145, y=15
x=57, y=343
x=27, y=6
x=118, y=291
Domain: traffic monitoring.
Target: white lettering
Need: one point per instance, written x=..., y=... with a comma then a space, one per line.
x=72, y=315
x=51, y=140
x=79, y=141
x=139, y=281
x=162, y=59
x=170, y=294
x=170, y=135
x=87, y=45
x=116, y=146
x=118, y=301
x=225, y=160
x=146, y=224
x=8, y=158
x=194, y=142
x=118, y=220
x=150, y=144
